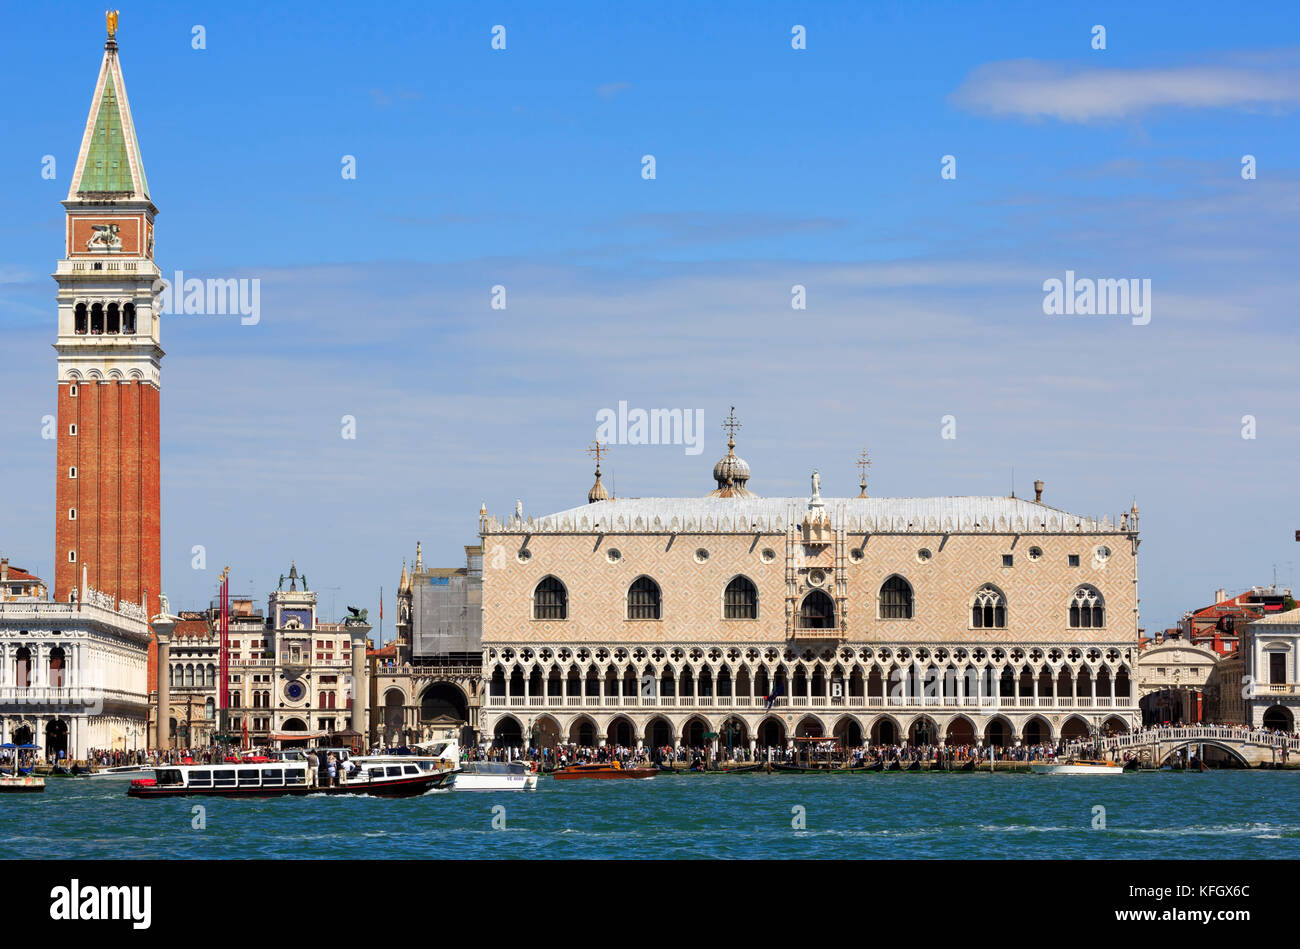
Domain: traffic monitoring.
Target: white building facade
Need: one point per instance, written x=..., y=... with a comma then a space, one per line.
x=744, y=623
x=73, y=675
x=1271, y=656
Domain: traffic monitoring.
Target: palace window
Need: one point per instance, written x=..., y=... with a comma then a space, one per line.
x=72, y=473
x=1074, y=560
x=1087, y=609
x=740, y=601
x=989, y=609
x=72, y=513
x=896, y=599
x=72, y=556
x=58, y=664
x=550, y=600
x=817, y=611
x=23, y=667
x=644, y=600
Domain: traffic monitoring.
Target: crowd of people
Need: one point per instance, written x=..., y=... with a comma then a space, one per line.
x=698, y=757
x=335, y=768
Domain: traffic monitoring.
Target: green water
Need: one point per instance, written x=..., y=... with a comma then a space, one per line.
x=1238, y=814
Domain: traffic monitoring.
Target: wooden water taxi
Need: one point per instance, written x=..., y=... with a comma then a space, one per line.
x=282, y=779
x=604, y=770
x=1075, y=766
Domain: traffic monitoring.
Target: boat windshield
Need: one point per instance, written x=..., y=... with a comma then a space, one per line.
x=168, y=776
x=495, y=767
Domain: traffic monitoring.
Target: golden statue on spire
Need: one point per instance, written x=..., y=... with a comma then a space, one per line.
x=110, y=19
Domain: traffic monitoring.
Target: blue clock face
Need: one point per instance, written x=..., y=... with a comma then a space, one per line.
x=295, y=691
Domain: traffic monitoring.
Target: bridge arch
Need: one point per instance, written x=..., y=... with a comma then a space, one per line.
x=1167, y=752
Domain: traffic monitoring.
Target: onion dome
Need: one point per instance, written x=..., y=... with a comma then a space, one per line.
x=597, y=492
x=731, y=472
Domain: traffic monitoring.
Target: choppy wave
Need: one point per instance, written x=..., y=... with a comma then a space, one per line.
x=705, y=816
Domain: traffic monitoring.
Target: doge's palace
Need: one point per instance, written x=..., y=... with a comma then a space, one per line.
x=744, y=622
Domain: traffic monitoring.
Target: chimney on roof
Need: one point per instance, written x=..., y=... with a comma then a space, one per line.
x=4, y=569
x=1220, y=596
x=1038, y=491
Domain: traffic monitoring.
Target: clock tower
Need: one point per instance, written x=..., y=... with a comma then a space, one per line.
x=108, y=355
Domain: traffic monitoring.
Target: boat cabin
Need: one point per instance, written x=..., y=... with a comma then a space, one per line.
x=269, y=775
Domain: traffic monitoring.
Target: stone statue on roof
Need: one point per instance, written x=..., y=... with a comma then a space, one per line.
x=816, y=486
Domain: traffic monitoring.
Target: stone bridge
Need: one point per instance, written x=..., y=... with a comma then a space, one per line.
x=1250, y=747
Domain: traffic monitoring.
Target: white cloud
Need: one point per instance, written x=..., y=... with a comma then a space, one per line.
x=1035, y=89
x=611, y=89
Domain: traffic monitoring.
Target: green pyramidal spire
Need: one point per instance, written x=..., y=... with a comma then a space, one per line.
x=109, y=161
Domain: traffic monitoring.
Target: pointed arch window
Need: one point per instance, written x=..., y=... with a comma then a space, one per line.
x=644, y=600
x=740, y=601
x=1087, y=609
x=989, y=608
x=817, y=611
x=550, y=600
x=896, y=599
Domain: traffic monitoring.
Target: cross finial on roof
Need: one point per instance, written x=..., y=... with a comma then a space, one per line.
x=864, y=462
x=731, y=425
x=596, y=450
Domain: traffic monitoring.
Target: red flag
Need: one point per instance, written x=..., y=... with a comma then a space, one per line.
x=381, y=607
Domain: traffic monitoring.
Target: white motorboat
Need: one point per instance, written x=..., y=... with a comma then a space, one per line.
x=494, y=776
x=122, y=771
x=1076, y=766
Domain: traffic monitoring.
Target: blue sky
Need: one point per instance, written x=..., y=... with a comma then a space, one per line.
x=775, y=167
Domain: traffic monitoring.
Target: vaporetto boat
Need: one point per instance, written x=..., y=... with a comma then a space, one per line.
x=283, y=779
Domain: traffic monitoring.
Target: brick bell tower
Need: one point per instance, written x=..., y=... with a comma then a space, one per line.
x=107, y=511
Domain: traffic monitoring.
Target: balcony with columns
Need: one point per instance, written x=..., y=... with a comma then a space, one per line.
x=616, y=695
